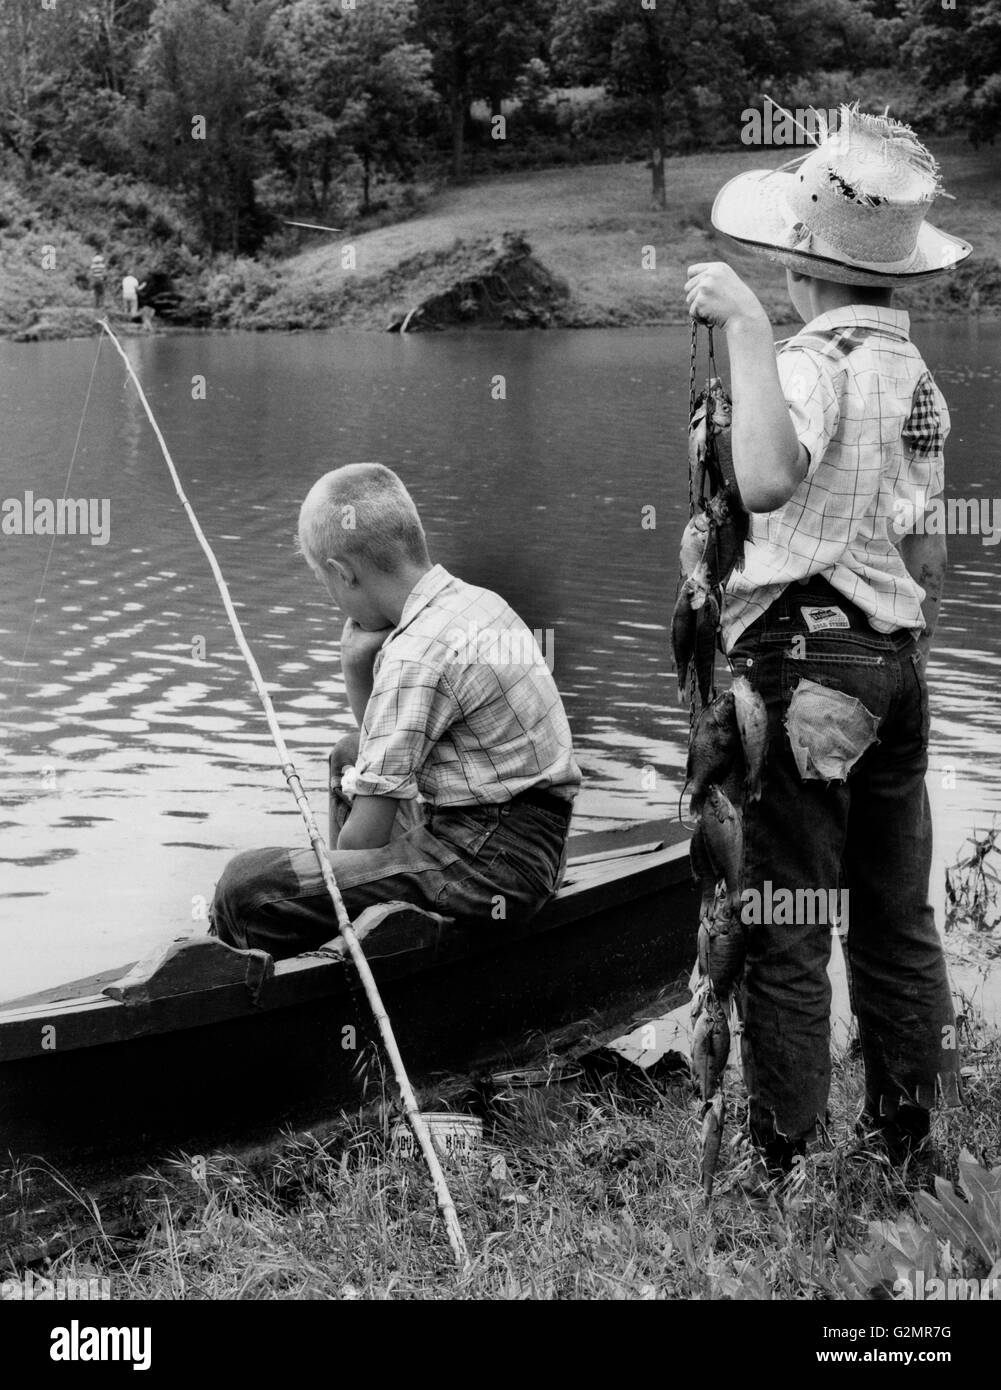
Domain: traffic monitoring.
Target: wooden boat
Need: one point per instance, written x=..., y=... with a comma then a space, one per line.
x=203, y=1042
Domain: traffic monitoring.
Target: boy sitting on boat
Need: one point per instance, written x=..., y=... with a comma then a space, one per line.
x=836, y=440
x=483, y=738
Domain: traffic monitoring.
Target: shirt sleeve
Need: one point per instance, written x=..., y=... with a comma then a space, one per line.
x=812, y=400
x=924, y=436
x=410, y=708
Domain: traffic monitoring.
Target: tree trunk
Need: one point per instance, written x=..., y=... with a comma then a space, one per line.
x=657, y=155
x=458, y=136
x=366, y=183
x=657, y=79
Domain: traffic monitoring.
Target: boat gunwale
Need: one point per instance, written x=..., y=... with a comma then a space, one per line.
x=304, y=978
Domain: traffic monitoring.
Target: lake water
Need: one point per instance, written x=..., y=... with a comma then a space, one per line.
x=131, y=766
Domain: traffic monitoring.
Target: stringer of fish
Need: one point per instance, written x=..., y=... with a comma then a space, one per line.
x=724, y=759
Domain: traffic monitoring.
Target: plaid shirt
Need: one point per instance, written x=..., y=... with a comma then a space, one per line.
x=873, y=422
x=463, y=706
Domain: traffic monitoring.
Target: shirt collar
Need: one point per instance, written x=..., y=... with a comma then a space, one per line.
x=429, y=586
x=861, y=316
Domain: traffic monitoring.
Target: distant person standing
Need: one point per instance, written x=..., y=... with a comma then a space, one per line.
x=98, y=274
x=130, y=295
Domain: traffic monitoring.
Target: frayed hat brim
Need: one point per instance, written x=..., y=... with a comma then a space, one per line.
x=752, y=210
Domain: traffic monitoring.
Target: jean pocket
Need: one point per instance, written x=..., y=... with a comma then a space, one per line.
x=835, y=704
x=467, y=832
x=537, y=871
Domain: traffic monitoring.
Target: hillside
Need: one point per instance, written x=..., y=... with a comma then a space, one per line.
x=587, y=228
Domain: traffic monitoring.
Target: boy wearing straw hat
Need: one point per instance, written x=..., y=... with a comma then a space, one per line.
x=837, y=449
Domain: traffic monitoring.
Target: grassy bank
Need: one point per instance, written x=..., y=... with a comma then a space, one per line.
x=597, y=1199
x=590, y=227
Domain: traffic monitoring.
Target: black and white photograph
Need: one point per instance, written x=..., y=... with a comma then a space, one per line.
x=500, y=745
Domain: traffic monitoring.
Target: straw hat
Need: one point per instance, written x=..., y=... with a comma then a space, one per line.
x=851, y=210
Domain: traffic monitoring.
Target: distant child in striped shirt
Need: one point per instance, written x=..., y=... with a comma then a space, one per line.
x=837, y=450
x=454, y=702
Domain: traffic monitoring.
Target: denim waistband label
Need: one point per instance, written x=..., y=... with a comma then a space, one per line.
x=823, y=618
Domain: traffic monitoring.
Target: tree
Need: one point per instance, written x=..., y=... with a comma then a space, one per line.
x=39, y=58
x=349, y=85
x=480, y=50
x=634, y=48
x=198, y=86
x=962, y=46
x=674, y=56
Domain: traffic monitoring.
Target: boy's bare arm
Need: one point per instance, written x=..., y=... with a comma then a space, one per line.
x=926, y=558
x=359, y=648
x=370, y=824
x=768, y=459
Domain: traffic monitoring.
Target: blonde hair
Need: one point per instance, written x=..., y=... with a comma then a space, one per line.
x=362, y=512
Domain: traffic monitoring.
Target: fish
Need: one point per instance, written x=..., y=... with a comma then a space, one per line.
x=704, y=871
x=693, y=543
x=712, y=1139
x=727, y=532
x=700, y=998
x=752, y=724
x=683, y=633
x=711, y=418
x=704, y=653
x=710, y=1047
x=724, y=834
x=713, y=748
x=699, y=582
x=703, y=942
x=726, y=945
x=698, y=440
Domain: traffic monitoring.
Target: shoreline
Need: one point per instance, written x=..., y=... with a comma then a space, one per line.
x=959, y=314
x=563, y=247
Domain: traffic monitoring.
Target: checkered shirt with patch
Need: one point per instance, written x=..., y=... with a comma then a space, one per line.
x=868, y=413
x=463, y=706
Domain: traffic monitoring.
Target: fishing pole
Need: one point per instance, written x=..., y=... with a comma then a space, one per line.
x=311, y=226
x=417, y=1123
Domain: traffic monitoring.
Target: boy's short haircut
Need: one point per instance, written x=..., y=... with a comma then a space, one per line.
x=362, y=512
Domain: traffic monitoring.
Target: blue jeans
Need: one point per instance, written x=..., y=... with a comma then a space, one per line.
x=476, y=864
x=843, y=807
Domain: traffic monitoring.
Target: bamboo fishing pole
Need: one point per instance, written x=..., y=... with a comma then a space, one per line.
x=445, y=1204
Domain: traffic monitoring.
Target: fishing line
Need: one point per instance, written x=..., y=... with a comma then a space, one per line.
x=52, y=541
x=445, y=1204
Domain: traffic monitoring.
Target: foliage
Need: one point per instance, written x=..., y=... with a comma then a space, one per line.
x=959, y=1238
x=960, y=45
x=479, y=51
x=349, y=88
x=595, y=1198
x=199, y=84
x=972, y=884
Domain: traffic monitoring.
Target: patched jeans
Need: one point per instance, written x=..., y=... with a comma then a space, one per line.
x=844, y=827
x=476, y=864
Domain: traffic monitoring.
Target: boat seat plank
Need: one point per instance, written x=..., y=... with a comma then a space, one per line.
x=603, y=856
x=402, y=929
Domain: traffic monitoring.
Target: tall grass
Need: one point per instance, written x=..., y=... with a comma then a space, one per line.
x=597, y=1198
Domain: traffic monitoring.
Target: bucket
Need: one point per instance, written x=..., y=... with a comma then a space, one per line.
x=457, y=1137
x=541, y=1093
